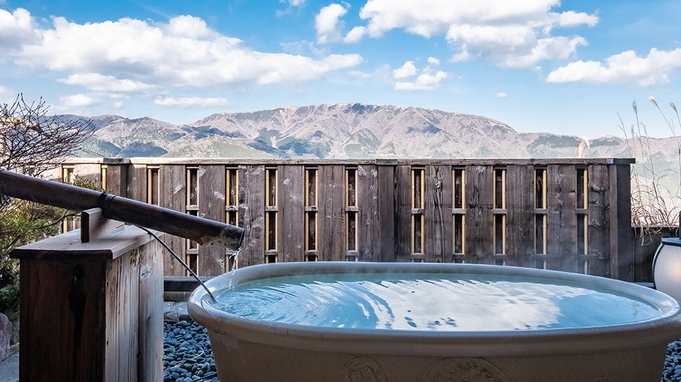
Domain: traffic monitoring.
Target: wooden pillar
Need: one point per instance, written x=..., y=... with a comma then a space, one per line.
x=520, y=215
x=438, y=211
x=599, y=221
x=252, y=214
x=479, y=219
x=291, y=215
x=173, y=195
x=375, y=223
x=212, y=206
x=562, y=219
x=621, y=235
x=91, y=311
x=331, y=216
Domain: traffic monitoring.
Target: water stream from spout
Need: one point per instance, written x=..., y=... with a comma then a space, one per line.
x=191, y=272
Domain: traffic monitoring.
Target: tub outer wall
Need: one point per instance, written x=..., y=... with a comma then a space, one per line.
x=257, y=351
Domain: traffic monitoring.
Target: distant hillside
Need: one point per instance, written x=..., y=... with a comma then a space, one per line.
x=340, y=131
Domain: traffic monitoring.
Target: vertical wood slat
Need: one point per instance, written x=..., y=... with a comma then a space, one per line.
x=252, y=214
x=520, y=214
x=331, y=215
x=291, y=216
x=599, y=234
x=90, y=172
x=150, y=359
x=137, y=182
x=562, y=217
x=374, y=229
x=620, y=224
x=438, y=214
x=212, y=195
x=173, y=195
x=122, y=280
x=403, y=203
x=83, y=359
x=479, y=219
x=116, y=179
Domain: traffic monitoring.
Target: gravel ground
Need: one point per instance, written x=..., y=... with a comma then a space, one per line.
x=189, y=357
x=187, y=353
x=672, y=365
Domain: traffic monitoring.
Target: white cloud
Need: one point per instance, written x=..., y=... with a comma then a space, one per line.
x=135, y=55
x=406, y=70
x=98, y=82
x=513, y=34
x=573, y=19
x=185, y=102
x=355, y=34
x=77, y=100
x=359, y=74
x=624, y=67
x=502, y=95
x=328, y=23
x=16, y=29
x=293, y=3
x=423, y=82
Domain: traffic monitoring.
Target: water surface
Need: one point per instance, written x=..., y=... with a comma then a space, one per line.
x=430, y=302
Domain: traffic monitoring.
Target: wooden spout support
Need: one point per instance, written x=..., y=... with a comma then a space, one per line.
x=203, y=231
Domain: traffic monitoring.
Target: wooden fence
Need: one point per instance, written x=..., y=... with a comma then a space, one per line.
x=563, y=214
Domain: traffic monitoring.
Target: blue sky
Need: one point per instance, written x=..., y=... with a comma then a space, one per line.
x=538, y=65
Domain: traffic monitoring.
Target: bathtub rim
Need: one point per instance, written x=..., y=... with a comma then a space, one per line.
x=660, y=330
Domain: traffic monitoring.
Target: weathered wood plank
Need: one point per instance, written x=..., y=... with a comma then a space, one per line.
x=94, y=224
x=403, y=204
x=438, y=214
x=137, y=182
x=562, y=217
x=173, y=195
x=212, y=206
x=599, y=233
x=374, y=229
x=69, y=346
x=150, y=323
x=331, y=215
x=122, y=315
x=291, y=216
x=91, y=172
x=479, y=219
x=116, y=180
x=252, y=214
x=621, y=252
x=520, y=215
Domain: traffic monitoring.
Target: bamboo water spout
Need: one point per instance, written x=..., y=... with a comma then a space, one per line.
x=203, y=231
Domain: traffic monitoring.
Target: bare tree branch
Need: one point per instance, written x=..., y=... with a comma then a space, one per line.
x=31, y=141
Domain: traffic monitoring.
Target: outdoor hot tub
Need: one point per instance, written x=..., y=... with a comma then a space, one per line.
x=341, y=321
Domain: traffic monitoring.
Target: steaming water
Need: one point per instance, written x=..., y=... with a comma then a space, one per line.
x=431, y=302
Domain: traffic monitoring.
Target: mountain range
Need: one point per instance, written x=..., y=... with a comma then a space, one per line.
x=354, y=131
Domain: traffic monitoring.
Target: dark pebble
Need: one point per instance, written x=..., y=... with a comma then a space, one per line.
x=187, y=353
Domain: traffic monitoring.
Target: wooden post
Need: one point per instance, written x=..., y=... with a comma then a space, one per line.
x=521, y=220
x=92, y=311
x=252, y=214
x=479, y=203
x=599, y=222
x=212, y=196
x=331, y=217
x=621, y=251
x=439, y=240
x=375, y=225
x=562, y=219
